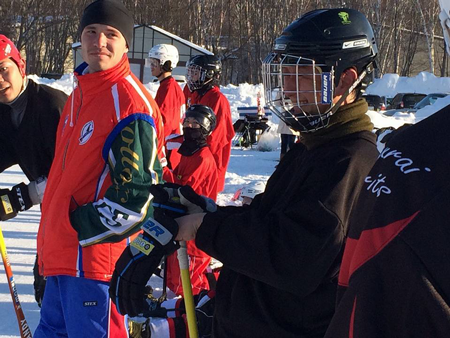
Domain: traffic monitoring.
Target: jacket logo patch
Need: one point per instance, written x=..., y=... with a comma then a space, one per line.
x=90, y=303
x=86, y=132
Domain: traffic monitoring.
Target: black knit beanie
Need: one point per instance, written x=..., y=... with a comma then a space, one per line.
x=112, y=13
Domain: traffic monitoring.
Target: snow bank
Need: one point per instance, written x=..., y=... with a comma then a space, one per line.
x=424, y=82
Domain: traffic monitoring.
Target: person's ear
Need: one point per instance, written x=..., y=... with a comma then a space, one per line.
x=22, y=66
x=348, y=77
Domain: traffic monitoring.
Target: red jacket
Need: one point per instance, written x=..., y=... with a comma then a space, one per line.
x=220, y=139
x=171, y=102
x=200, y=172
x=97, y=192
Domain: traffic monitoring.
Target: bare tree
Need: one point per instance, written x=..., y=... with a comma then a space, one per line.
x=240, y=32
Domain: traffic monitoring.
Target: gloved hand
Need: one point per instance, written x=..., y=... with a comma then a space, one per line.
x=194, y=202
x=38, y=284
x=204, y=311
x=171, y=196
x=138, y=262
x=166, y=200
x=14, y=200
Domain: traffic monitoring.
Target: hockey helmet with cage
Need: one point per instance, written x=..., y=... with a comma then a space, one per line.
x=204, y=115
x=320, y=45
x=166, y=54
x=201, y=70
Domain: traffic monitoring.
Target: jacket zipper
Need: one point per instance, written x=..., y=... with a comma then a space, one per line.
x=76, y=120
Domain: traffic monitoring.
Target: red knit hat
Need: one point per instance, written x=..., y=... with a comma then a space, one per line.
x=8, y=50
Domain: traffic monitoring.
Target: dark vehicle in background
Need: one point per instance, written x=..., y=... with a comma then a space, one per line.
x=427, y=101
x=375, y=102
x=405, y=100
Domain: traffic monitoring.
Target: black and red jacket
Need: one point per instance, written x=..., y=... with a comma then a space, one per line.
x=395, y=274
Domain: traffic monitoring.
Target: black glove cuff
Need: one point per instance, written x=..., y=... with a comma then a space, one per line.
x=21, y=198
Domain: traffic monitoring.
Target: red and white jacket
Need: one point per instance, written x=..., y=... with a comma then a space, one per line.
x=106, y=157
x=220, y=139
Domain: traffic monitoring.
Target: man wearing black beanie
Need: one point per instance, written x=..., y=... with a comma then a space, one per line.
x=97, y=194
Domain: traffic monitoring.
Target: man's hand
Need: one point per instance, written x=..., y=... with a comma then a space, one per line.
x=14, y=200
x=188, y=226
x=138, y=262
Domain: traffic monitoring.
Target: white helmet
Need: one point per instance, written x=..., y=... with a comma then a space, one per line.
x=253, y=189
x=445, y=21
x=164, y=53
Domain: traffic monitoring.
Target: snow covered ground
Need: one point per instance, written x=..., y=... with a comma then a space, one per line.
x=246, y=166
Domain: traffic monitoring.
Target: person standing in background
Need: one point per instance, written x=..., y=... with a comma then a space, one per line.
x=29, y=116
x=162, y=59
x=203, y=74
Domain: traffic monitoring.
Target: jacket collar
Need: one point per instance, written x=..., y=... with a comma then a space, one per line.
x=94, y=83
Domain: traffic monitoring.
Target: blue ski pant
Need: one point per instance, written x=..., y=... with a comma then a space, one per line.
x=79, y=307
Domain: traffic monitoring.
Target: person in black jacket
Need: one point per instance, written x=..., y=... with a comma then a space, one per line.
x=395, y=275
x=29, y=116
x=394, y=280
x=281, y=254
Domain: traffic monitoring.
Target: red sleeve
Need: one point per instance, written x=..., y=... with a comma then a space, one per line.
x=170, y=100
x=187, y=95
x=168, y=175
x=220, y=139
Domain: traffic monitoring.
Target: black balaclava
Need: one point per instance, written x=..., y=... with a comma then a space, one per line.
x=194, y=140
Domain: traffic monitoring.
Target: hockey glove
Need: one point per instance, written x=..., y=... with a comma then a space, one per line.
x=14, y=200
x=172, y=197
x=166, y=200
x=38, y=284
x=204, y=311
x=194, y=202
x=138, y=262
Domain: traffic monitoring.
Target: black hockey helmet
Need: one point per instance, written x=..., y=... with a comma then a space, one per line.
x=207, y=67
x=204, y=115
x=321, y=44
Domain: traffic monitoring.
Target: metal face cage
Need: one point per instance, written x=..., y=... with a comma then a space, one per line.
x=299, y=90
x=196, y=77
